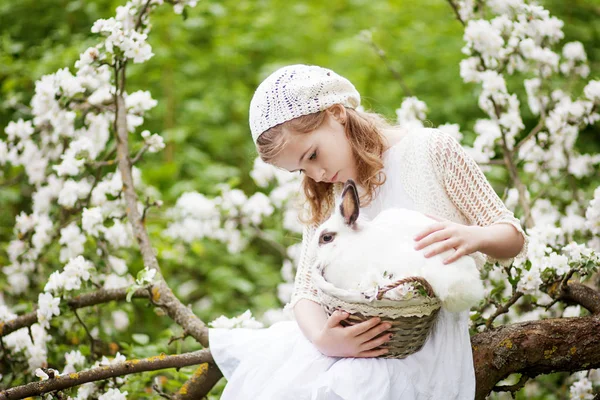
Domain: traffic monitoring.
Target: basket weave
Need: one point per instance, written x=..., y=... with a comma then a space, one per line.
x=411, y=320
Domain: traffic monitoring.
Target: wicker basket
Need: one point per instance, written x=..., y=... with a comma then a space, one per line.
x=411, y=319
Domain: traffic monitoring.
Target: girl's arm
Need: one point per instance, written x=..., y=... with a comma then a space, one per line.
x=335, y=340
x=494, y=231
x=500, y=241
x=310, y=317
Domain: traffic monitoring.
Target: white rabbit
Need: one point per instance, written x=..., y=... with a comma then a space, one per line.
x=350, y=249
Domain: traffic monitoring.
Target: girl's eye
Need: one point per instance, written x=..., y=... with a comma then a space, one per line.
x=313, y=155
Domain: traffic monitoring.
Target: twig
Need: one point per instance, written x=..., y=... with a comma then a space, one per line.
x=512, y=388
x=503, y=309
x=455, y=8
x=92, y=339
x=493, y=162
x=381, y=53
x=176, y=338
x=531, y=134
x=14, y=180
x=139, y=21
x=137, y=157
x=277, y=246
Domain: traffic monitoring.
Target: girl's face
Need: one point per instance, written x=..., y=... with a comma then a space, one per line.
x=324, y=154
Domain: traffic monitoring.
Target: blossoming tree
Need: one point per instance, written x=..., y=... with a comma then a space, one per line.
x=77, y=153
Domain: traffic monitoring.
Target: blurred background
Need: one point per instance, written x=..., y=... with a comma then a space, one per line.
x=206, y=66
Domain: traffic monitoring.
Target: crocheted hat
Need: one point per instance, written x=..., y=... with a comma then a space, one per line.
x=297, y=90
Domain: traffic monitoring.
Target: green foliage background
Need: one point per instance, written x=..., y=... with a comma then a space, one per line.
x=204, y=72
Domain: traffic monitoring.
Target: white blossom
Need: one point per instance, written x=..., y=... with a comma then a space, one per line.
x=75, y=272
x=140, y=101
x=73, y=191
x=453, y=130
x=118, y=235
x=257, y=207
x=41, y=374
x=73, y=240
x=592, y=214
x=581, y=390
x=113, y=394
x=118, y=265
x=120, y=320
x=155, y=142
x=20, y=130
x=411, y=112
x=147, y=275
x=92, y=221
x=481, y=36
x=530, y=281
x=47, y=307
x=592, y=91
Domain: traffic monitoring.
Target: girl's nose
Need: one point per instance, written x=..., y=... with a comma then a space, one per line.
x=316, y=173
x=323, y=175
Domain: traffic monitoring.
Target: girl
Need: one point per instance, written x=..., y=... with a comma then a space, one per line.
x=304, y=118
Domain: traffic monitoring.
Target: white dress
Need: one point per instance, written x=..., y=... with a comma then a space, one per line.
x=280, y=363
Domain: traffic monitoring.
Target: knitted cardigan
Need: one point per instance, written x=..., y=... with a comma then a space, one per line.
x=442, y=180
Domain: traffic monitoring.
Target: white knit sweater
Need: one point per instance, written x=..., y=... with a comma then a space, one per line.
x=442, y=180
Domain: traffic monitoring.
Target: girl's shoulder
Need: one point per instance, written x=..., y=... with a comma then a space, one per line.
x=418, y=142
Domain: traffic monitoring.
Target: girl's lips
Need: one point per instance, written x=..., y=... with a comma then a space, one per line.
x=334, y=177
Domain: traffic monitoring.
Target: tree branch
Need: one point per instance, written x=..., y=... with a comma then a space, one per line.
x=161, y=292
x=104, y=372
x=83, y=300
x=198, y=386
x=533, y=348
x=574, y=292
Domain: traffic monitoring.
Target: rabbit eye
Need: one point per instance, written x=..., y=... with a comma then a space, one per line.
x=327, y=237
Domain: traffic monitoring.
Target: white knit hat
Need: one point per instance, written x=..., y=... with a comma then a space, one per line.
x=297, y=90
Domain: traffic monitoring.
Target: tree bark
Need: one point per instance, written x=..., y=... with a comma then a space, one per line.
x=534, y=348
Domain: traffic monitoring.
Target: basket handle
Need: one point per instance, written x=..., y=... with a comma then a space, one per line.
x=393, y=285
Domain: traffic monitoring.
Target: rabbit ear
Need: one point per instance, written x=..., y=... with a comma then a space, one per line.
x=350, y=204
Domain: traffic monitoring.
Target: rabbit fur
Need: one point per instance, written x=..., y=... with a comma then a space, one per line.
x=351, y=251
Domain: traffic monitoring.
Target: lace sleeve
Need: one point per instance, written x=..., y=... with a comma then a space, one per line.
x=304, y=288
x=469, y=189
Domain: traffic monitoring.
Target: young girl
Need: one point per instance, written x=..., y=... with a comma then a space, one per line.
x=304, y=118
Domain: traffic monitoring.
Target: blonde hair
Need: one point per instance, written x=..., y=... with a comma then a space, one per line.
x=364, y=133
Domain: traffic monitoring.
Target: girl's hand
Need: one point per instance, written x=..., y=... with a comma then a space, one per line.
x=450, y=235
x=356, y=341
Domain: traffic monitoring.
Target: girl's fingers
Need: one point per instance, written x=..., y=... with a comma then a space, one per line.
x=429, y=230
x=375, y=331
x=371, y=344
x=457, y=254
x=432, y=238
x=372, y=353
x=358, y=329
x=335, y=318
x=441, y=247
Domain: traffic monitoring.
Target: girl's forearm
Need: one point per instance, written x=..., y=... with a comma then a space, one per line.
x=310, y=317
x=500, y=240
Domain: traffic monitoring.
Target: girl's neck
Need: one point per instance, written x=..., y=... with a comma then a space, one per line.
x=392, y=136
